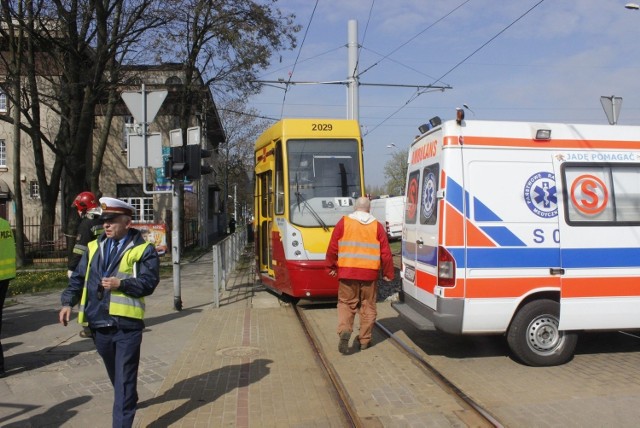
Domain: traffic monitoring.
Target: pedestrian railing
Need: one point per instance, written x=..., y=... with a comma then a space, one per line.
x=225, y=256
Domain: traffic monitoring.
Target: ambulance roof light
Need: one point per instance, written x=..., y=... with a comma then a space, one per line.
x=424, y=128
x=543, y=134
x=433, y=122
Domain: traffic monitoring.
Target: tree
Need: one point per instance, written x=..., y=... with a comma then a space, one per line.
x=71, y=63
x=242, y=128
x=70, y=59
x=395, y=171
x=222, y=44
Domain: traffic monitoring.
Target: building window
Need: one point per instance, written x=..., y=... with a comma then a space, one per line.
x=144, y=208
x=3, y=154
x=34, y=190
x=3, y=102
x=133, y=194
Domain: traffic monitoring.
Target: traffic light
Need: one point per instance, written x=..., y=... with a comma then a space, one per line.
x=176, y=165
x=193, y=157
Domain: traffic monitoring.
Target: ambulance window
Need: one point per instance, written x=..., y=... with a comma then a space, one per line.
x=602, y=193
x=428, y=201
x=411, y=207
x=626, y=185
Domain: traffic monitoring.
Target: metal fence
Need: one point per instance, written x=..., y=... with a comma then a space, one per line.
x=226, y=254
x=49, y=251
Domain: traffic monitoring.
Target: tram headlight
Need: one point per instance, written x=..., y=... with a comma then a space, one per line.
x=295, y=243
x=297, y=253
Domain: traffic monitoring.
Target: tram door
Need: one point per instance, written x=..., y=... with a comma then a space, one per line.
x=265, y=220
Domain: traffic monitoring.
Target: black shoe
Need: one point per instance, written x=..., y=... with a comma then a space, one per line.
x=3, y=374
x=343, y=345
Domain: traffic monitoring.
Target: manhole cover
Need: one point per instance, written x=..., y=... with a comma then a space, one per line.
x=239, y=351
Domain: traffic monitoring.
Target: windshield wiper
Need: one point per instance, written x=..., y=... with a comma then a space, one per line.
x=300, y=197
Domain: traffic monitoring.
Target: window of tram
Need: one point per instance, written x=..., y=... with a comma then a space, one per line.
x=279, y=180
x=324, y=180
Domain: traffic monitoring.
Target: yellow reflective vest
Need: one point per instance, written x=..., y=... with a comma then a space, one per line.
x=120, y=304
x=7, y=251
x=359, y=246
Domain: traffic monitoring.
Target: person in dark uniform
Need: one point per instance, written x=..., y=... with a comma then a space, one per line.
x=120, y=268
x=7, y=272
x=232, y=225
x=89, y=229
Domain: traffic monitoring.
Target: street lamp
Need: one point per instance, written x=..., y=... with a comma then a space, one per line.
x=391, y=146
x=632, y=6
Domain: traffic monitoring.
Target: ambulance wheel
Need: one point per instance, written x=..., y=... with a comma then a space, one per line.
x=534, y=338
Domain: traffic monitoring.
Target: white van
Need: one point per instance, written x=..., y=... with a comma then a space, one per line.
x=531, y=230
x=389, y=212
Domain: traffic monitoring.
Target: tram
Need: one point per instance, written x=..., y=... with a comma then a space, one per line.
x=308, y=174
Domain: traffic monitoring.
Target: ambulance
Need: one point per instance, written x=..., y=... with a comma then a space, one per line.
x=531, y=230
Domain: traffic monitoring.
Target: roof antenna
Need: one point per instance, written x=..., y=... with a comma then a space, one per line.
x=468, y=108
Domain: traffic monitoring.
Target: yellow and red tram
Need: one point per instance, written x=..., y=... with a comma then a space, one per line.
x=308, y=174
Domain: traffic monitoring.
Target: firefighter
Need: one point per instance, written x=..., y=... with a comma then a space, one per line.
x=89, y=229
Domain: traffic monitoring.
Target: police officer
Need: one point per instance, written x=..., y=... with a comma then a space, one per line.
x=7, y=272
x=115, y=274
x=89, y=229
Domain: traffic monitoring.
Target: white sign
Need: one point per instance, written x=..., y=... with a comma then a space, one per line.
x=175, y=138
x=154, y=99
x=193, y=135
x=136, y=155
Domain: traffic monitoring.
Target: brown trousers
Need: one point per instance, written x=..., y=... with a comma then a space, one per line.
x=354, y=295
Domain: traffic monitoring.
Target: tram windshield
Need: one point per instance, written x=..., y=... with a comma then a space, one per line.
x=324, y=180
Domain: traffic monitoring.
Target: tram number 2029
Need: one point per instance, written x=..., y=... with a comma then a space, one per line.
x=321, y=127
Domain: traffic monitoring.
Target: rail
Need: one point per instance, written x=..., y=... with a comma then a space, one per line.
x=225, y=256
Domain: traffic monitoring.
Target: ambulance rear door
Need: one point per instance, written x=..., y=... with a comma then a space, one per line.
x=420, y=228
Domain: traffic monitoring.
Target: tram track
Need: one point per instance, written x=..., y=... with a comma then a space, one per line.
x=464, y=400
x=467, y=410
x=339, y=391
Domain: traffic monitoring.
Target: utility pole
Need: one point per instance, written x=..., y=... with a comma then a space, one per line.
x=353, y=79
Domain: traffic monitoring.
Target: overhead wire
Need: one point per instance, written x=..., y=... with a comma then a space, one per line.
x=414, y=96
x=286, y=88
x=414, y=37
x=352, y=73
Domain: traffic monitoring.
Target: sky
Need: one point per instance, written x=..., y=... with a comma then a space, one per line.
x=522, y=60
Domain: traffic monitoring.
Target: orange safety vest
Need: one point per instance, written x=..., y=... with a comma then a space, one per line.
x=359, y=246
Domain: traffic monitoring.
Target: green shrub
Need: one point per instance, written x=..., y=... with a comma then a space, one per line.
x=32, y=282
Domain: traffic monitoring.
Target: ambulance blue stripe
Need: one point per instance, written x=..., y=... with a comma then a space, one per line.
x=454, y=194
x=426, y=253
x=494, y=258
x=600, y=257
x=503, y=236
x=481, y=212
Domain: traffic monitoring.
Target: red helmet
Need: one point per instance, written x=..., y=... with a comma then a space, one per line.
x=85, y=201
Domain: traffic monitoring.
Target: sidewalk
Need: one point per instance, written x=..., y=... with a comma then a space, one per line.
x=56, y=378
x=244, y=364
x=197, y=368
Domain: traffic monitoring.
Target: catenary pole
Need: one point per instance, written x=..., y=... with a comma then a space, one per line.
x=353, y=107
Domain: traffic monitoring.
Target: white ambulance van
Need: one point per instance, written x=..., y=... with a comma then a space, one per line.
x=390, y=212
x=531, y=230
